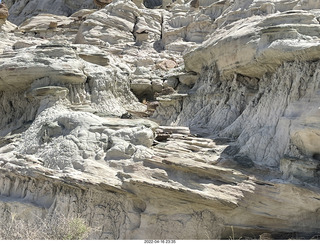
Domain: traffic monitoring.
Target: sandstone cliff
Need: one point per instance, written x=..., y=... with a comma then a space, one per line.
x=162, y=119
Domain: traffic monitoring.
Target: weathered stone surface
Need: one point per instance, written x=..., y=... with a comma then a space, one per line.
x=6, y=26
x=94, y=55
x=257, y=45
x=48, y=91
x=195, y=3
x=44, y=22
x=102, y=3
x=119, y=23
x=253, y=123
x=232, y=85
x=24, y=9
x=3, y=11
x=188, y=79
x=58, y=62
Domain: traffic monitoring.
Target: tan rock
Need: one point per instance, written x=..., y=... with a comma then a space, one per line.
x=6, y=26
x=42, y=22
x=188, y=79
x=166, y=65
x=53, y=25
x=3, y=11
x=102, y=3
x=82, y=13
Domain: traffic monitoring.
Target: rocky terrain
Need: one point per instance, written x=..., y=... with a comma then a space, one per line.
x=162, y=119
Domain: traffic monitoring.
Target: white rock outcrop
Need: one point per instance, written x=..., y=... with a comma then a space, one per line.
x=162, y=119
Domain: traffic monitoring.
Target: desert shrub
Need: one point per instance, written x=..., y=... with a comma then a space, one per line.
x=50, y=228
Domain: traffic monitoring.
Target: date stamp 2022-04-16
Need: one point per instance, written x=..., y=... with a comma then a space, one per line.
x=160, y=242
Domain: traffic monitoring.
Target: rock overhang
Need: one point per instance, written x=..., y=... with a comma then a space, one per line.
x=59, y=63
x=258, y=44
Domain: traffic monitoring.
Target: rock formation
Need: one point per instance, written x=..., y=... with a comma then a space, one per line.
x=195, y=121
x=5, y=26
x=3, y=11
x=21, y=10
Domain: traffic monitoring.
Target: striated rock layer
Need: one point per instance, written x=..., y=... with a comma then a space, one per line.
x=162, y=119
x=23, y=9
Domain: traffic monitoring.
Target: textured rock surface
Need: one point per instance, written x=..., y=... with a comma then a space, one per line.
x=162, y=119
x=3, y=11
x=102, y=3
x=23, y=9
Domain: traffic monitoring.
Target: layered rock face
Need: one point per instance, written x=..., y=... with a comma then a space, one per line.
x=23, y=9
x=162, y=119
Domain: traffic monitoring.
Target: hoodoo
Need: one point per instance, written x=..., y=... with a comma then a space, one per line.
x=3, y=11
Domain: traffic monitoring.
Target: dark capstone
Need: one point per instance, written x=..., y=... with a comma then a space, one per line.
x=152, y=3
x=162, y=137
x=126, y=116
